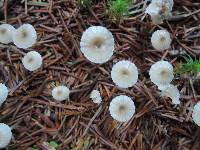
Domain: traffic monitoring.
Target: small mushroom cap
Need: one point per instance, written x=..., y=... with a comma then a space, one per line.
x=122, y=108
x=172, y=92
x=3, y=93
x=96, y=96
x=124, y=74
x=60, y=93
x=97, y=44
x=5, y=135
x=196, y=114
x=6, y=33
x=161, y=73
x=161, y=39
x=25, y=36
x=32, y=61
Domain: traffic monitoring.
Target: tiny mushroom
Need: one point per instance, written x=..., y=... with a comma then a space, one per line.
x=124, y=74
x=172, y=92
x=161, y=40
x=196, y=114
x=32, y=61
x=159, y=10
x=5, y=135
x=122, y=108
x=161, y=73
x=97, y=44
x=25, y=36
x=3, y=93
x=96, y=96
x=60, y=93
x=6, y=33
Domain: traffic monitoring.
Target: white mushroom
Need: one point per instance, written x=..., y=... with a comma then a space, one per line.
x=122, y=108
x=25, y=36
x=161, y=39
x=6, y=33
x=32, y=61
x=3, y=93
x=161, y=73
x=159, y=10
x=172, y=92
x=97, y=44
x=60, y=93
x=5, y=135
x=124, y=74
x=196, y=114
x=96, y=96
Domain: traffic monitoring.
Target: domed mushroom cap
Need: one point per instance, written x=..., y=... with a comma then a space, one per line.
x=96, y=96
x=6, y=33
x=32, y=61
x=196, y=114
x=161, y=73
x=161, y=40
x=5, y=135
x=25, y=36
x=97, y=44
x=3, y=93
x=124, y=74
x=159, y=10
x=60, y=93
x=172, y=92
x=122, y=108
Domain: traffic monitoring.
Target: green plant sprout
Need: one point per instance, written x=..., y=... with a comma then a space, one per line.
x=84, y=3
x=54, y=144
x=118, y=8
x=190, y=66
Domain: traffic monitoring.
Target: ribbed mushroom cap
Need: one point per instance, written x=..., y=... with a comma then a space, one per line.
x=161, y=40
x=32, y=61
x=25, y=36
x=97, y=44
x=60, y=93
x=124, y=74
x=122, y=108
x=5, y=135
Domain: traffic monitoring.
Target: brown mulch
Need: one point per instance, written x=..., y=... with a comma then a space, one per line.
x=79, y=123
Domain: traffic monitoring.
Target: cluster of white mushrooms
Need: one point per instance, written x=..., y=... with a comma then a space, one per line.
x=5, y=130
x=160, y=10
x=23, y=37
x=97, y=45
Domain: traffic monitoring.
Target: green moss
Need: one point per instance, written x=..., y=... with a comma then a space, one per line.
x=118, y=8
x=54, y=144
x=190, y=66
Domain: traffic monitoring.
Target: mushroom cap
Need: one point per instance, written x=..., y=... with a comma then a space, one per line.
x=124, y=74
x=60, y=93
x=32, y=61
x=5, y=135
x=161, y=73
x=161, y=39
x=172, y=92
x=196, y=114
x=25, y=36
x=6, y=33
x=97, y=44
x=122, y=108
x=96, y=96
x=3, y=93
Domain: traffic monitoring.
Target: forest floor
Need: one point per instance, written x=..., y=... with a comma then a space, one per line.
x=38, y=121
